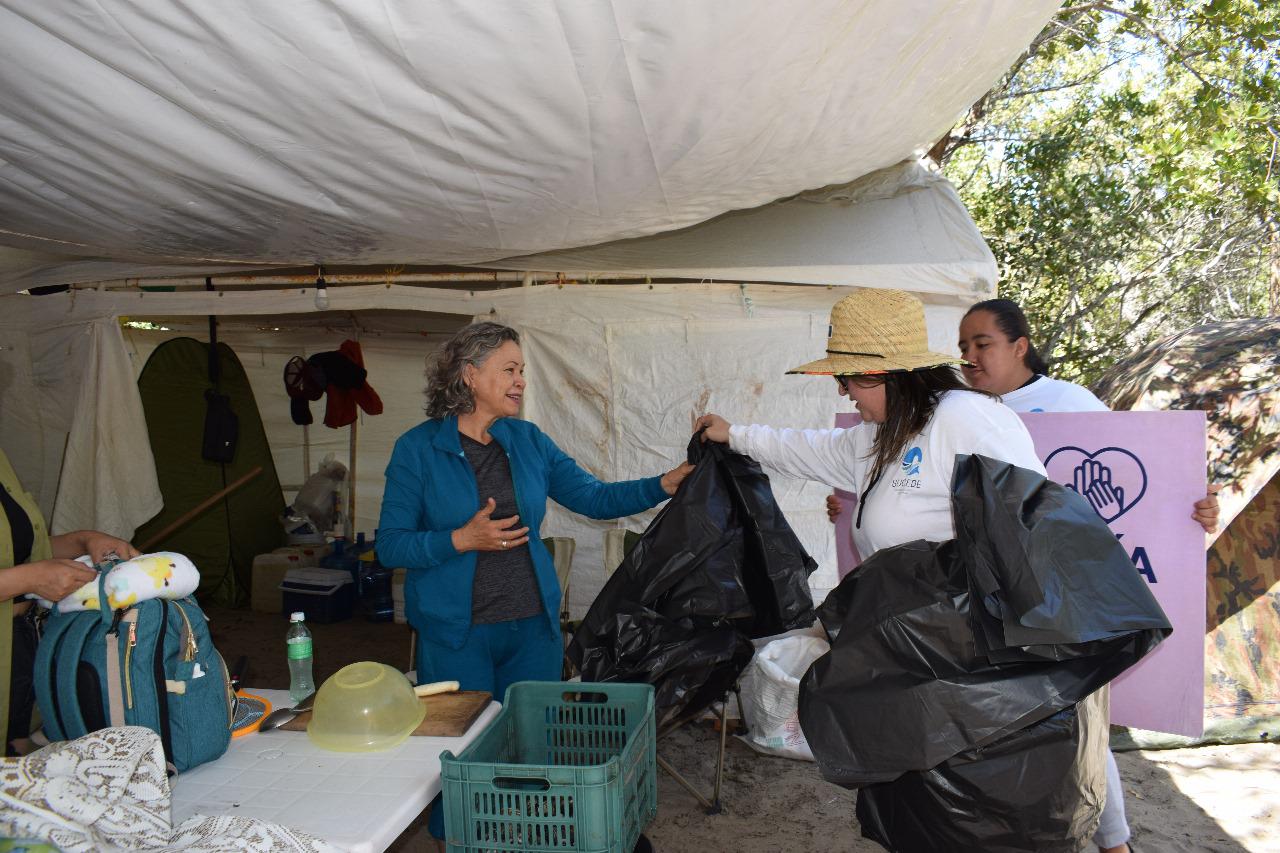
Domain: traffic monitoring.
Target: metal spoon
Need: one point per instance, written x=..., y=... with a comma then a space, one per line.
x=280, y=716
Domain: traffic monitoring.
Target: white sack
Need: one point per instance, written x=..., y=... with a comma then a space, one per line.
x=770, y=689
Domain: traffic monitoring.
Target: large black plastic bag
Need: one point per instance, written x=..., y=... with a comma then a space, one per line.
x=1061, y=786
x=918, y=676
x=718, y=567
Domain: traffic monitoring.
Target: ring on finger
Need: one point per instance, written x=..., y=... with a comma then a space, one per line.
x=504, y=543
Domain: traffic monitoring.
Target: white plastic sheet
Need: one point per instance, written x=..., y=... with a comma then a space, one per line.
x=137, y=135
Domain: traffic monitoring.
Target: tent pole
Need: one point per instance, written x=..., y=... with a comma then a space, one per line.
x=306, y=452
x=351, y=485
x=307, y=280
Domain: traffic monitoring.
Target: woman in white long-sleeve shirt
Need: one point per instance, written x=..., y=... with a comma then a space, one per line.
x=917, y=416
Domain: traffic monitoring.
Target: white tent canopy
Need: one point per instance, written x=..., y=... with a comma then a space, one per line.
x=144, y=138
x=153, y=139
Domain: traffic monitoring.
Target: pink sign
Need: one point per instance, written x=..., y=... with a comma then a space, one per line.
x=1141, y=472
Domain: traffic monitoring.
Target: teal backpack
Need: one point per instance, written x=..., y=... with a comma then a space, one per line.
x=152, y=664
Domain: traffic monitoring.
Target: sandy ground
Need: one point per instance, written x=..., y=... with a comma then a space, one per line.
x=1224, y=799
x=1217, y=799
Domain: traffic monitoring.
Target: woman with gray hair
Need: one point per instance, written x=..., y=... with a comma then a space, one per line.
x=464, y=492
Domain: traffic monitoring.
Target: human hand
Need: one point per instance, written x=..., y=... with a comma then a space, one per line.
x=99, y=546
x=716, y=428
x=833, y=507
x=1092, y=479
x=54, y=579
x=484, y=533
x=1207, y=509
x=673, y=478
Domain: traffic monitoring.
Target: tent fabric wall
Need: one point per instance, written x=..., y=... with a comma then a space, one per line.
x=617, y=381
x=615, y=372
x=141, y=135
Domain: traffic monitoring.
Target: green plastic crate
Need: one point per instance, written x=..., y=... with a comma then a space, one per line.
x=565, y=767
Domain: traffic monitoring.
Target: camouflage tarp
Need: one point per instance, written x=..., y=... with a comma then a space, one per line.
x=1232, y=371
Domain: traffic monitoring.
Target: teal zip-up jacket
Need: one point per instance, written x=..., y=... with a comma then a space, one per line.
x=431, y=491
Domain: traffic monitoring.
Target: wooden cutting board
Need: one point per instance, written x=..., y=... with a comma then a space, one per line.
x=448, y=714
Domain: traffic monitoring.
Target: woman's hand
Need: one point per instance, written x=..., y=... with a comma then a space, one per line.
x=717, y=428
x=98, y=545
x=53, y=580
x=483, y=533
x=833, y=507
x=1207, y=509
x=673, y=478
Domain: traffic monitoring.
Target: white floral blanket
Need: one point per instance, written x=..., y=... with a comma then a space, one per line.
x=108, y=791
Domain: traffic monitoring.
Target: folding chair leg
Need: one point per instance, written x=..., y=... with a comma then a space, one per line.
x=724, y=737
x=711, y=806
x=688, y=786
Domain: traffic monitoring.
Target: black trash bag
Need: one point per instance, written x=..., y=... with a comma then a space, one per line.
x=918, y=676
x=1060, y=765
x=718, y=567
x=1054, y=580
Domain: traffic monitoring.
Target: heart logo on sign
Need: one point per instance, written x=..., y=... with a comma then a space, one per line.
x=1112, y=479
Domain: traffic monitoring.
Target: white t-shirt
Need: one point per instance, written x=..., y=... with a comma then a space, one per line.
x=912, y=500
x=1053, y=395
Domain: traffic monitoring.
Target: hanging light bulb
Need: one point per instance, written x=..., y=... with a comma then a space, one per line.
x=322, y=293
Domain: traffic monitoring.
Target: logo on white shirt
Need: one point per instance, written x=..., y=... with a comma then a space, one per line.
x=911, y=462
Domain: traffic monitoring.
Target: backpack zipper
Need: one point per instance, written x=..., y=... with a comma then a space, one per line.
x=231, y=695
x=190, y=650
x=128, y=656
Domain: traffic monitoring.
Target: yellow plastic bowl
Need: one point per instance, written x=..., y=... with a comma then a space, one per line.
x=364, y=707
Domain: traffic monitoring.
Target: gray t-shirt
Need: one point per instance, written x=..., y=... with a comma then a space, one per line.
x=505, y=587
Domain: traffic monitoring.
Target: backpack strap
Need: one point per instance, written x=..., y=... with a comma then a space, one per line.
x=115, y=674
x=65, y=667
x=111, y=650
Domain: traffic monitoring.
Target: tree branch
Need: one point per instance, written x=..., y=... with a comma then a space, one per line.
x=1172, y=48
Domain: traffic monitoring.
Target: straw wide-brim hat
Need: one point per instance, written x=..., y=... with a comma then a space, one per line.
x=876, y=331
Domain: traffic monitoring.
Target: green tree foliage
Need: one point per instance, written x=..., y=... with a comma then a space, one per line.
x=1126, y=173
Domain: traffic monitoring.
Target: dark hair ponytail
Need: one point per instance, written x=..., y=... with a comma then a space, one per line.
x=1013, y=323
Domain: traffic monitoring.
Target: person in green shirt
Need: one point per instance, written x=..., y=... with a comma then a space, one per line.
x=32, y=561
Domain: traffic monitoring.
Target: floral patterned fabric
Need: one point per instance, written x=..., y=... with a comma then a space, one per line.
x=1242, y=648
x=108, y=791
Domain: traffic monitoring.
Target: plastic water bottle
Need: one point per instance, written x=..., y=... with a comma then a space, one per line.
x=298, y=641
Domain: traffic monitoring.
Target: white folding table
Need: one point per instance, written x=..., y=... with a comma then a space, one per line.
x=358, y=801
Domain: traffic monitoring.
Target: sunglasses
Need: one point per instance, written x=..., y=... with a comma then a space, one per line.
x=863, y=381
